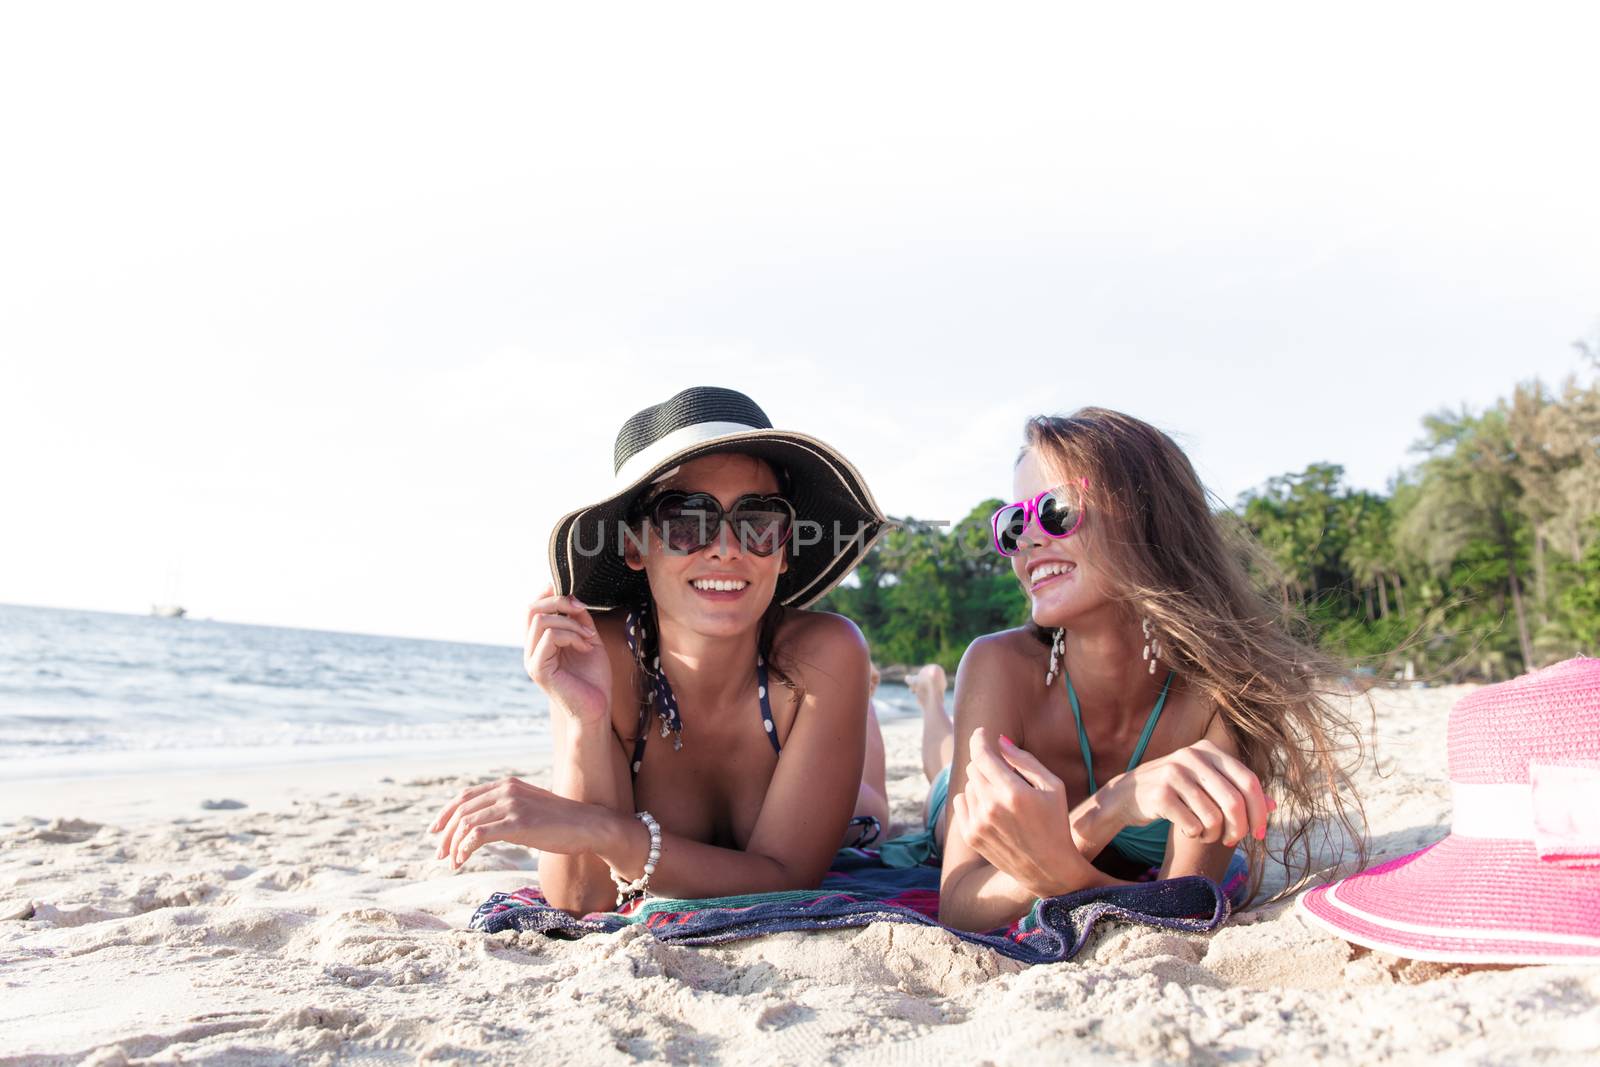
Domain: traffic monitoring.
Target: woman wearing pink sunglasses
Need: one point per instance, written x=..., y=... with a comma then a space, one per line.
x=1143, y=722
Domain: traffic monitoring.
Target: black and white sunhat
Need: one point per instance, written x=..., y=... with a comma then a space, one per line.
x=837, y=520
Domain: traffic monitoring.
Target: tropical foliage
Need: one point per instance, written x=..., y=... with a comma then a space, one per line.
x=1481, y=561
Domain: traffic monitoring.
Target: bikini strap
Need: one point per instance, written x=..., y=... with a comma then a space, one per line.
x=766, y=704
x=1150, y=724
x=1144, y=738
x=1083, y=737
x=640, y=735
x=638, y=742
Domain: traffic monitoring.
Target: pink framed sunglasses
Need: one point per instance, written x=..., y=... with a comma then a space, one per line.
x=1058, y=511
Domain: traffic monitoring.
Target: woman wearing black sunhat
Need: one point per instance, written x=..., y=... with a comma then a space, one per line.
x=708, y=730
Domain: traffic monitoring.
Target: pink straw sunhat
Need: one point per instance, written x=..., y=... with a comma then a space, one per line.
x=1518, y=879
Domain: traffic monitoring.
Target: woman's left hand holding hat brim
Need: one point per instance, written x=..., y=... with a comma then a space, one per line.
x=563, y=654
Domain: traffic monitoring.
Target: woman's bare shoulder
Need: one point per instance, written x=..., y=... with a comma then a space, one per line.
x=825, y=656
x=1006, y=651
x=1000, y=670
x=995, y=682
x=810, y=634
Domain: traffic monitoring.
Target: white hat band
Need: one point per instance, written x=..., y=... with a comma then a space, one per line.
x=1557, y=809
x=1503, y=811
x=676, y=441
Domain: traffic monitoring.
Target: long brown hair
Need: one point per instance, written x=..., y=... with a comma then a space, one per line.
x=1184, y=567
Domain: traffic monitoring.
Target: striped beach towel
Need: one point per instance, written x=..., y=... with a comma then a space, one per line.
x=860, y=890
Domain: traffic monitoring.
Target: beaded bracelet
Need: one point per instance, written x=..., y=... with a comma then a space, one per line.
x=640, y=886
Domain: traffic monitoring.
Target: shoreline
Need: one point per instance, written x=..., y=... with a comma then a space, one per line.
x=162, y=782
x=154, y=793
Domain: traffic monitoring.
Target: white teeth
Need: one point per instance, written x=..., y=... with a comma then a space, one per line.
x=1045, y=570
x=718, y=585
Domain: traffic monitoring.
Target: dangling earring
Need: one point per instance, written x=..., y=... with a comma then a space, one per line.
x=1152, y=644
x=1057, y=646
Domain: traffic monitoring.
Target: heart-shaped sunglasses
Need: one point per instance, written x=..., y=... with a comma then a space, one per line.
x=688, y=522
x=1058, y=511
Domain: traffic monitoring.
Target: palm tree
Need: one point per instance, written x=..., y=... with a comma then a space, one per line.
x=1369, y=549
x=1468, y=499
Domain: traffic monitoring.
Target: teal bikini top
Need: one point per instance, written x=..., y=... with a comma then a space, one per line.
x=1148, y=843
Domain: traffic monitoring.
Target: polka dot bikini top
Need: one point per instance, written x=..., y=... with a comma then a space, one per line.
x=666, y=705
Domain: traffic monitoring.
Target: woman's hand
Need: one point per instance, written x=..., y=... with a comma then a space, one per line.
x=514, y=811
x=1206, y=793
x=1013, y=812
x=563, y=653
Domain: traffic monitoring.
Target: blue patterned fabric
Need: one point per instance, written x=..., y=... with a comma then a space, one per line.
x=861, y=890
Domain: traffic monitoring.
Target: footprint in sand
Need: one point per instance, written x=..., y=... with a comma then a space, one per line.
x=282, y=878
x=60, y=832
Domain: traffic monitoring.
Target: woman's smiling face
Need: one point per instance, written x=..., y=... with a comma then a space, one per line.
x=723, y=589
x=1058, y=574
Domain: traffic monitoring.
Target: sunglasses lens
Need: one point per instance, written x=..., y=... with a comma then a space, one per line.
x=762, y=533
x=688, y=523
x=1058, y=515
x=1009, y=523
x=763, y=523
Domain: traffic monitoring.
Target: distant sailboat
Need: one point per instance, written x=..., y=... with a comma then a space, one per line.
x=171, y=609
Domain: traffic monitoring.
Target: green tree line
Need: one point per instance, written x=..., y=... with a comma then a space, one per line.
x=1480, y=562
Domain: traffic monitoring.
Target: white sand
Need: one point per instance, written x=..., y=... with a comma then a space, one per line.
x=313, y=926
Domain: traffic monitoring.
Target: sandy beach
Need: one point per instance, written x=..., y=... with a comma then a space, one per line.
x=312, y=925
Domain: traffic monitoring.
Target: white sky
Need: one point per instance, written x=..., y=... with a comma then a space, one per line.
x=334, y=309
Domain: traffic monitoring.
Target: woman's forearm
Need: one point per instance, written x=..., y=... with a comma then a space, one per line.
x=1097, y=820
x=1190, y=856
x=585, y=767
x=688, y=868
x=582, y=882
x=982, y=899
x=584, y=771
x=984, y=896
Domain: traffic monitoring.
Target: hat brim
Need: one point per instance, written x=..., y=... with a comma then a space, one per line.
x=586, y=558
x=1467, y=900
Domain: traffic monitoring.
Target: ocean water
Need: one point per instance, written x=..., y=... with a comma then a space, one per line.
x=86, y=692
x=77, y=688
